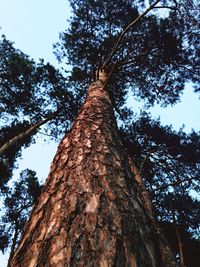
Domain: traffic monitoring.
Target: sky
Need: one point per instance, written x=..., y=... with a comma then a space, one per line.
x=34, y=26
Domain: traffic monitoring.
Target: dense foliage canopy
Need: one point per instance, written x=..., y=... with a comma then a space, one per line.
x=156, y=57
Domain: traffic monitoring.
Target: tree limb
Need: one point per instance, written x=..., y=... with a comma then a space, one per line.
x=167, y=7
x=126, y=62
x=180, y=245
x=21, y=136
x=133, y=23
x=14, y=242
x=173, y=184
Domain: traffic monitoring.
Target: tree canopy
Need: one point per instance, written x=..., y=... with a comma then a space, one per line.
x=156, y=58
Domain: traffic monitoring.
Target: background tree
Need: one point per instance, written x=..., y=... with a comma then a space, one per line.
x=8, y=159
x=31, y=94
x=17, y=205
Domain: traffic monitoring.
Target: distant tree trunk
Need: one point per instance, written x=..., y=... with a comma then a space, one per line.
x=14, y=242
x=180, y=245
x=91, y=212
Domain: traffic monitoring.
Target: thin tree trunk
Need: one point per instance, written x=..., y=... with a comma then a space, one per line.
x=180, y=245
x=90, y=212
x=14, y=242
x=21, y=136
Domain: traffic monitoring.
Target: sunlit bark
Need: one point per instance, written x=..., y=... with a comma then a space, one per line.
x=91, y=211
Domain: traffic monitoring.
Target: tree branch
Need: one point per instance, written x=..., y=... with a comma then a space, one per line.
x=167, y=7
x=21, y=136
x=133, y=23
x=14, y=242
x=49, y=135
x=173, y=184
x=110, y=74
x=126, y=62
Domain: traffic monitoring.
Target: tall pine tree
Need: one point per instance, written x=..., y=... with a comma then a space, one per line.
x=92, y=211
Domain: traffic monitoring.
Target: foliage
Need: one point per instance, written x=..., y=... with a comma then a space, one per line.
x=18, y=81
x=155, y=59
x=169, y=163
x=17, y=205
x=176, y=154
x=7, y=161
x=29, y=92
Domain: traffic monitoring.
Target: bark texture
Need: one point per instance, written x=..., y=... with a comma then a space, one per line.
x=91, y=212
x=144, y=192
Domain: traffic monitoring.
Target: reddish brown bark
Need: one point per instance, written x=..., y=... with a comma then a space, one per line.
x=90, y=212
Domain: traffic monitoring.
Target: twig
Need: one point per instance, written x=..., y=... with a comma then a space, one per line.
x=57, y=139
x=126, y=62
x=143, y=162
x=167, y=7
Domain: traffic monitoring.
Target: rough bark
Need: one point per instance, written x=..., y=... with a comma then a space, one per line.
x=144, y=191
x=90, y=212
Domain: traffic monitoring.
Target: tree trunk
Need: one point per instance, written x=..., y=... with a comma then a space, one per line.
x=91, y=212
x=14, y=242
x=139, y=180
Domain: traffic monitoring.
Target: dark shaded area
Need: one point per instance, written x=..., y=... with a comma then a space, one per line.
x=17, y=205
x=169, y=163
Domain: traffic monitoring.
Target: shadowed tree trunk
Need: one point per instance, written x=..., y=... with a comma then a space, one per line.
x=144, y=192
x=14, y=243
x=91, y=212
